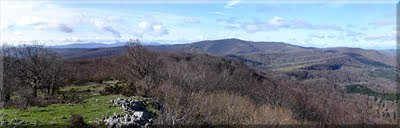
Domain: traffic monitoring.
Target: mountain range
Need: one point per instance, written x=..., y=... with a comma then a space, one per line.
x=344, y=66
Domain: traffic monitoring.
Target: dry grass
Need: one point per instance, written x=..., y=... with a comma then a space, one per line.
x=271, y=116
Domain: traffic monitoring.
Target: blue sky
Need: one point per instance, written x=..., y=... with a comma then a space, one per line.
x=342, y=23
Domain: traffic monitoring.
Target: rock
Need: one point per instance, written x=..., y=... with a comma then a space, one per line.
x=140, y=115
x=15, y=120
x=21, y=122
x=4, y=122
x=136, y=114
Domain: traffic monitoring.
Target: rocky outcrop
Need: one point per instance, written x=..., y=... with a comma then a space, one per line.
x=16, y=122
x=136, y=114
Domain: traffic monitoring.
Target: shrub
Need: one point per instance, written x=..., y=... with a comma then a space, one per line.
x=112, y=89
x=76, y=121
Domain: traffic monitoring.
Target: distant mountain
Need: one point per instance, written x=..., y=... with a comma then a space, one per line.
x=278, y=54
x=235, y=47
x=267, y=55
x=86, y=53
x=389, y=51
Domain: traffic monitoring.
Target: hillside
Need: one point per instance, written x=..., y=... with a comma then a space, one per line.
x=272, y=50
x=339, y=65
x=87, y=53
x=373, y=71
x=343, y=66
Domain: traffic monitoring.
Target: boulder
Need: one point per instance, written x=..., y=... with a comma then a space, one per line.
x=136, y=114
x=4, y=122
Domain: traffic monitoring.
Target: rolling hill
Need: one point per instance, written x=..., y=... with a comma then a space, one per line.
x=267, y=56
x=357, y=72
x=282, y=55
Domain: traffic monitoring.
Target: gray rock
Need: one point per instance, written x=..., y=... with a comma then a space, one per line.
x=136, y=114
x=21, y=122
x=4, y=122
x=15, y=120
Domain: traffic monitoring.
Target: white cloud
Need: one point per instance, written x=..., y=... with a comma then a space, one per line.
x=255, y=27
x=380, y=38
x=318, y=36
x=380, y=23
x=280, y=23
x=43, y=17
x=191, y=20
x=6, y=26
x=152, y=28
x=229, y=23
x=231, y=3
x=34, y=15
x=389, y=36
x=218, y=13
x=112, y=30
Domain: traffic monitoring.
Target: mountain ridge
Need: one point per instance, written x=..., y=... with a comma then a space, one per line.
x=256, y=51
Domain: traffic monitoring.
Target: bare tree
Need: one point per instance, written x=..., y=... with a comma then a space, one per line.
x=35, y=66
x=142, y=67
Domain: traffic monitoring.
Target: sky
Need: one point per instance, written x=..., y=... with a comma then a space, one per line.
x=312, y=23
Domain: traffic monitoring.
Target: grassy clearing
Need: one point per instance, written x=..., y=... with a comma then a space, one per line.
x=96, y=87
x=91, y=109
x=291, y=68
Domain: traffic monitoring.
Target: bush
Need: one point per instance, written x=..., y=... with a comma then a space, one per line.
x=76, y=121
x=112, y=89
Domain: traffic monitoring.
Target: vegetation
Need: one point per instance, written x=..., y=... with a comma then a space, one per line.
x=33, y=68
x=91, y=110
x=366, y=91
x=387, y=74
x=193, y=88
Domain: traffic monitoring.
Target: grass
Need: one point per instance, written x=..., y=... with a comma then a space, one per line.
x=93, y=107
x=92, y=86
x=366, y=91
x=90, y=109
x=290, y=68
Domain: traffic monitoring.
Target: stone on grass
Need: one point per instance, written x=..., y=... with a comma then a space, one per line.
x=136, y=114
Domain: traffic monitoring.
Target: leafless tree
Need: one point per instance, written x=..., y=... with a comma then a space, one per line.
x=142, y=67
x=35, y=67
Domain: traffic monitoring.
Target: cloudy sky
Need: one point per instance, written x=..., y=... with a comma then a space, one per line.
x=366, y=24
